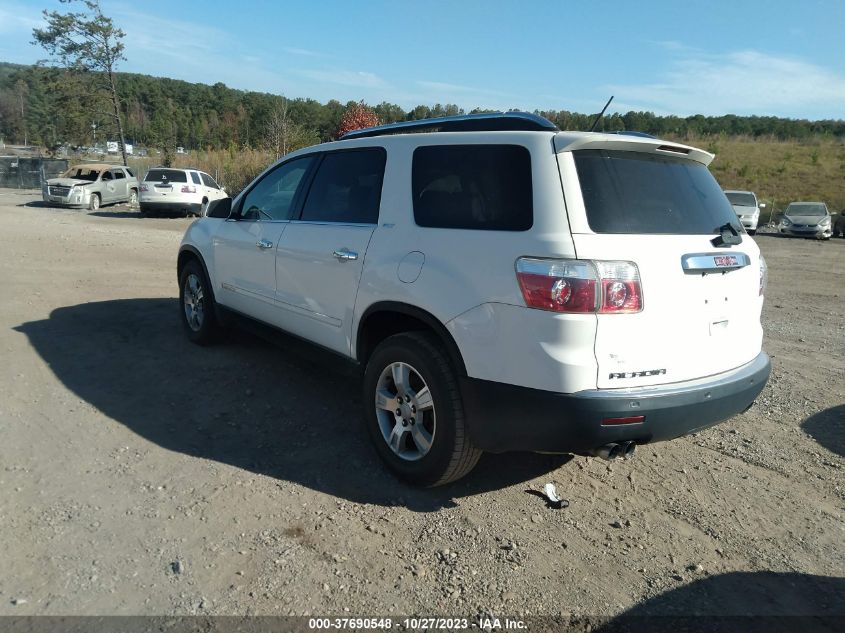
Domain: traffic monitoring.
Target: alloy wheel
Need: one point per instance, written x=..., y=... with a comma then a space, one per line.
x=405, y=411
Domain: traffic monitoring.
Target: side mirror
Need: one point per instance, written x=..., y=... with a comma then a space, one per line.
x=221, y=208
x=762, y=205
x=223, y=189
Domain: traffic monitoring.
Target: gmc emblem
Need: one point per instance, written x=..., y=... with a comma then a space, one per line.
x=725, y=260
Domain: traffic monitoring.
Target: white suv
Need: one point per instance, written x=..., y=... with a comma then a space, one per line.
x=504, y=285
x=177, y=191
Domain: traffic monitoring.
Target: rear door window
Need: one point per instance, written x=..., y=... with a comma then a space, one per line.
x=195, y=177
x=118, y=174
x=166, y=175
x=482, y=187
x=633, y=192
x=347, y=188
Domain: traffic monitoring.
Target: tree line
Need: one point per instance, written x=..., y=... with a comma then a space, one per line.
x=41, y=105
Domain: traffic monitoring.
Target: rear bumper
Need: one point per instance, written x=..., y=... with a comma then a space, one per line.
x=170, y=207
x=504, y=417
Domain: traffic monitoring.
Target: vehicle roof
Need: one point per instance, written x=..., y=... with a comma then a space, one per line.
x=176, y=168
x=807, y=202
x=738, y=191
x=95, y=166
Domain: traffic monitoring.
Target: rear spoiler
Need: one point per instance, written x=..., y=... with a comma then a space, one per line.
x=571, y=141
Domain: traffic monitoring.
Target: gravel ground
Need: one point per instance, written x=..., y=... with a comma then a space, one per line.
x=142, y=475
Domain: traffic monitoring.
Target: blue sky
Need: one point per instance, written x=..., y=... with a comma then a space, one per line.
x=681, y=57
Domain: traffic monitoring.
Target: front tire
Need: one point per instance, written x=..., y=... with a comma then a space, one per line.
x=197, y=304
x=94, y=202
x=413, y=411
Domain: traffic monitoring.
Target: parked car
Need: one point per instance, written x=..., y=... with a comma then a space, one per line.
x=502, y=284
x=807, y=219
x=747, y=208
x=92, y=185
x=178, y=191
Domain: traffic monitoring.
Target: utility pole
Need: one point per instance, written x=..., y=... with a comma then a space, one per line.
x=23, y=120
x=94, y=127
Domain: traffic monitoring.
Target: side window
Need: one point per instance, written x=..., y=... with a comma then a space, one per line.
x=208, y=181
x=347, y=188
x=481, y=187
x=118, y=174
x=274, y=196
x=129, y=172
x=106, y=175
x=196, y=178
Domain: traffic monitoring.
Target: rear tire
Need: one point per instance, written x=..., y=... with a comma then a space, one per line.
x=196, y=304
x=752, y=231
x=426, y=443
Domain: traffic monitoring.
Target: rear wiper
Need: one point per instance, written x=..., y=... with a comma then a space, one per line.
x=728, y=235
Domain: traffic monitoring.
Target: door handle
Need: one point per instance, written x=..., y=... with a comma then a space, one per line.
x=344, y=255
x=264, y=244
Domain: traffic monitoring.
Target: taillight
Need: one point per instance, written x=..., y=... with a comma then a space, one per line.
x=144, y=188
x=188, y=189
x=621, y=291
x=764, y=275
x=580, y=285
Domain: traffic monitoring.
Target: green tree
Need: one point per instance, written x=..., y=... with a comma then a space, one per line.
x=87, y=43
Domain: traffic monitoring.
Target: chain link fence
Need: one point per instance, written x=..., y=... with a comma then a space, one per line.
x=29, y=173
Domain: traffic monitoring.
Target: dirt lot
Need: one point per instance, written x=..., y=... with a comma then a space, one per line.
x=142, y=475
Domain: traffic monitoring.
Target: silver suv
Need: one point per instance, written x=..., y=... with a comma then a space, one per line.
x=91, y=186
x=503, y=285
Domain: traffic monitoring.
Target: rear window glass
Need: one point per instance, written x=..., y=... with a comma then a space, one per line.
x=166, y=175
x=631, y=192
x=741, y=199
x=482, y=187
x=347, y=188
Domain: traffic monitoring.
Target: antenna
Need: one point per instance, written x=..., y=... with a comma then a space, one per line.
x=601, y=114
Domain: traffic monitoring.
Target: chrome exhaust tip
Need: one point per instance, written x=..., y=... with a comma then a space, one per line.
x=608, y=452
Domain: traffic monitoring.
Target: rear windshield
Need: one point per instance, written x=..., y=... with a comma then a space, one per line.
x=166, y=175
x=632, y=192
x=741, y=199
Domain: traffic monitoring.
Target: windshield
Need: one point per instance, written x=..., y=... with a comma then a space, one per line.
x=633, y=192
x=806, y=208
x=741, y=199
x=81, y=174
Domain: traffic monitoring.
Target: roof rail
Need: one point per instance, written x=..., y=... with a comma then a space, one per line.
x=487, y=122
